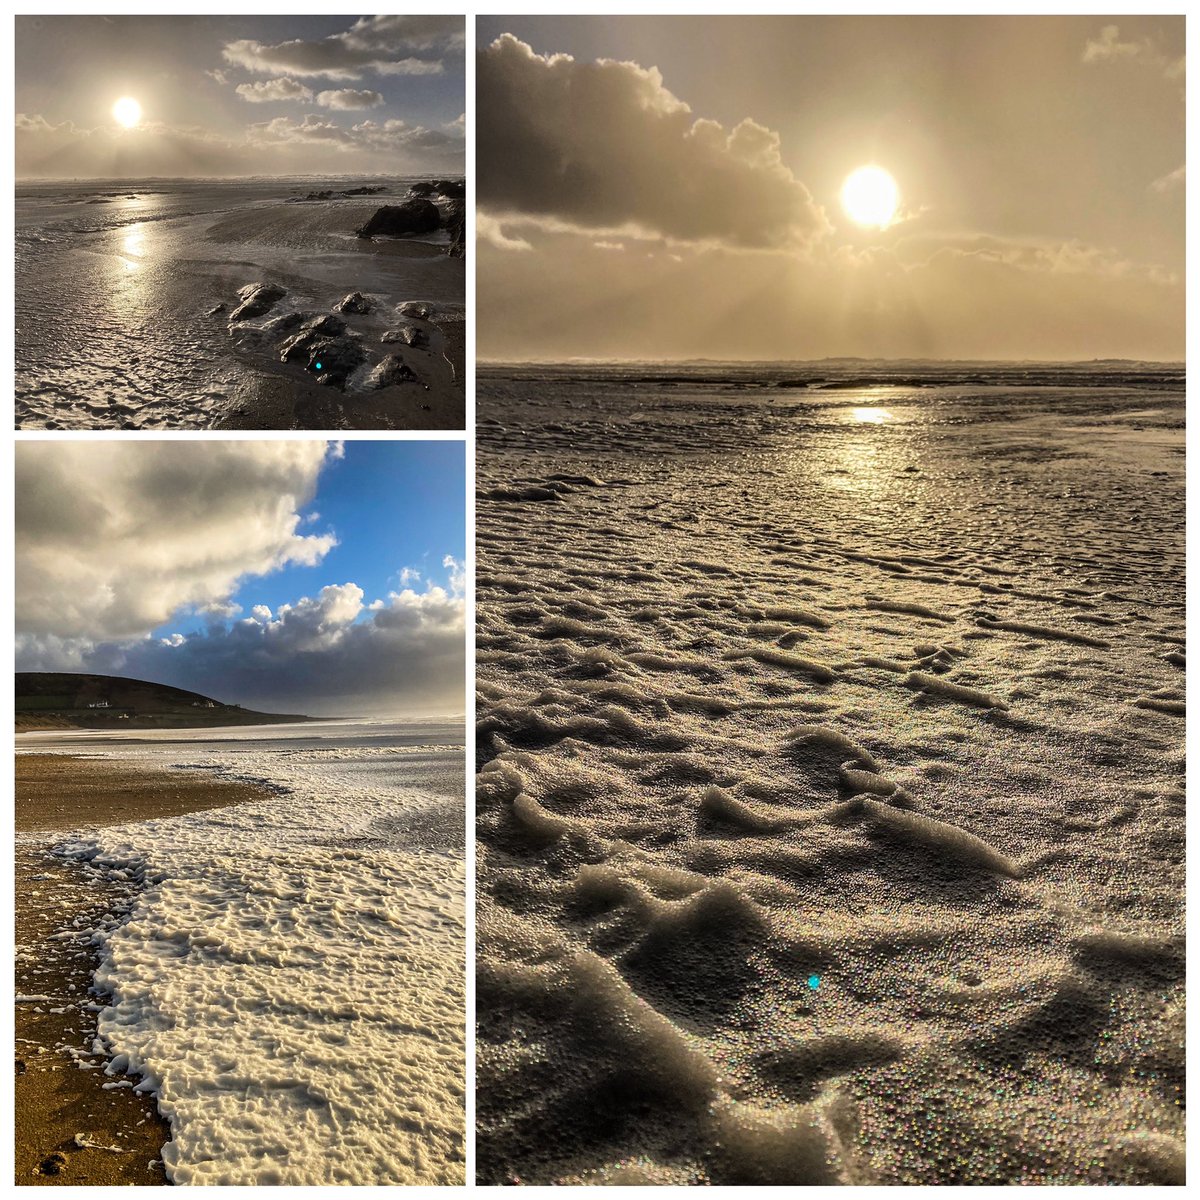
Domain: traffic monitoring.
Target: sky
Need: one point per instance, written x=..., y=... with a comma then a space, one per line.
x=669, y=187
x=287, y=576
x=232, y=96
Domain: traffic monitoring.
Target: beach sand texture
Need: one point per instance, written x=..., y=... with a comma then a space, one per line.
x=126, y=294
x=830, y=806
x=74, y=1123
x=286, y=976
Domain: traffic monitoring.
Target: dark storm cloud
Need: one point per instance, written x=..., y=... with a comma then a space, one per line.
x=604, y=145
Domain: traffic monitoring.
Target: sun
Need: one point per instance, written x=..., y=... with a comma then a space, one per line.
x=127, y=111
x=870, y=197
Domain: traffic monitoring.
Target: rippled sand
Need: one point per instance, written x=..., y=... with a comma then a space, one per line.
x=831, y=811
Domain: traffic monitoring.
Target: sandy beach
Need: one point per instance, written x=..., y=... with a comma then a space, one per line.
x=145, y=281
x=283, y=976
x=75, y=1124
x=830, y=797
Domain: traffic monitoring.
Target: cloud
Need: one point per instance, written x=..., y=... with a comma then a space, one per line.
x=387, y=45
x=47, y=150
x=457, y=574
x=347, y=98
x=488, y=229
x=1056, y=256
x=1108, y=47
x=388, y=136
x=605, y=146
x=112, y=539
x=218, y=76
x=268, y=91
x=956, y=296
x=323, y=655
x=1171, y=180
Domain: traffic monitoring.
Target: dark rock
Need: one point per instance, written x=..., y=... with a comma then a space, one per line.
x=412, y=218
x=217, y=308
x=355, y=302
x=391, y=370
x=452, y=189
x=331, y=195
x=331, y=359
x=53, y=1164
x=326, y=324
x=410, y=335
x=420, y=309
x=456, y=225
x=21, y=1068
x=281, y=324
x=256, y=299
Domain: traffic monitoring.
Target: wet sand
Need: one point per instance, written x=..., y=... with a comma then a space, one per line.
x=74, y=1124
x=297, y=401
x=830, y=797
x=140, y=293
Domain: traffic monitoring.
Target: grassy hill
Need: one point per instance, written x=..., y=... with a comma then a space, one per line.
x=62, y=700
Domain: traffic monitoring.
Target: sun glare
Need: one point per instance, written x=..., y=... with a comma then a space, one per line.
x=127, y=111
x=870, y=197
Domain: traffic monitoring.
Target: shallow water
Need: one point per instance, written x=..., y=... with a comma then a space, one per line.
x=114, y=284
x=830, y=774
x=289, y=979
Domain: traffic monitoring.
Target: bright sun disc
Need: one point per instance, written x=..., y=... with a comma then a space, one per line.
x=127, y=111
x=870, y=197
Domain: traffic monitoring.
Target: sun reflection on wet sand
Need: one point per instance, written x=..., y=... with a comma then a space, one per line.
x=133, y=247
x=871, y=416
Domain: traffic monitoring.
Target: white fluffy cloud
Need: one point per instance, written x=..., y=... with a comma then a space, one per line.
x=324, y=655
x=345, y=99
x=117, y=539
x=390, y=135
x=605, y=146
x=1171, y=180
x=387, y=45
x=113, y=539
x=1108, y=46
x=267, y=91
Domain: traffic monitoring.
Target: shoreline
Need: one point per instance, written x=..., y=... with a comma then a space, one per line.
x=73, y=1123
